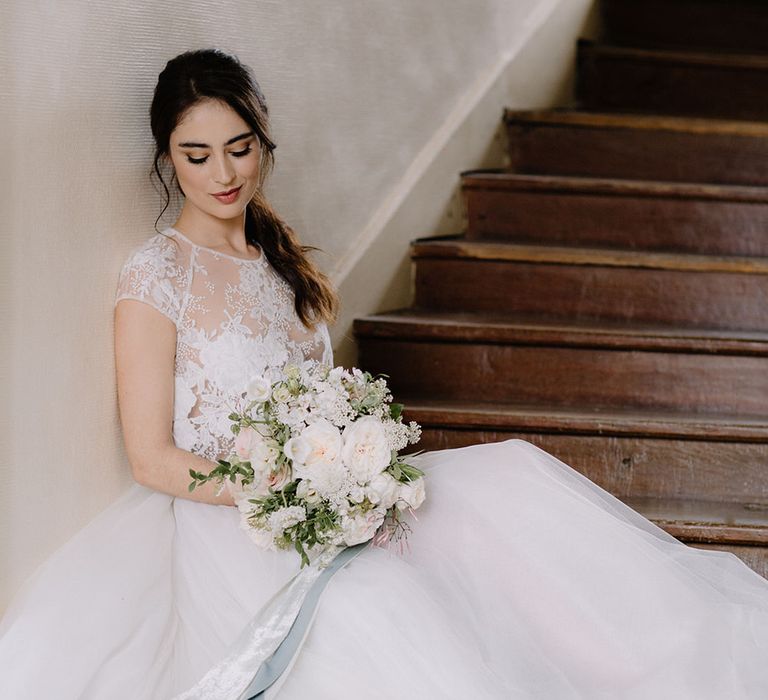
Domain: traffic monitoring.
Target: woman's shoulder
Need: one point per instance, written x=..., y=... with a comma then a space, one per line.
x=160, y=251
x=156, y=271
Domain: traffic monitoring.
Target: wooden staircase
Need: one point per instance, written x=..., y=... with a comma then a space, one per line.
x=609, y=298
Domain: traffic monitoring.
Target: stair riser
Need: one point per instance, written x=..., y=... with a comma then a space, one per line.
x=569, y=376
x=631, y=222
x=706, y=300
x=732, y=25
x=639, y=154
x=636, y=84
x=636, y=466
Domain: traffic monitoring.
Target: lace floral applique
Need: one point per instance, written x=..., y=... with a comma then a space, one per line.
x=234, y=318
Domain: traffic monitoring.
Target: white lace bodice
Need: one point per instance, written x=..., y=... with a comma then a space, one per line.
x=234, y=318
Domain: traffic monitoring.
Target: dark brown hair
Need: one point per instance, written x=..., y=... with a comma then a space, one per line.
x=213, y=74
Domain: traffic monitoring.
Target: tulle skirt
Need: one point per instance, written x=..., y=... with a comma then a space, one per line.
x=523, y=579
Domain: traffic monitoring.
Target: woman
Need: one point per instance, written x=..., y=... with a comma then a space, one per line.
x=525, y=580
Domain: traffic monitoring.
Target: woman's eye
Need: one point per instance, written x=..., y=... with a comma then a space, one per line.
x=244, y=152
x=197, y=161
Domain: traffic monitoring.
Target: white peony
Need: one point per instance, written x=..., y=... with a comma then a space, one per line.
x=383, y=490
x=259, y=388
x=366, y=450
x=412, y=494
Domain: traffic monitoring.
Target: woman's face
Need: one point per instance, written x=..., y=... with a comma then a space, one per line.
x=216, y=157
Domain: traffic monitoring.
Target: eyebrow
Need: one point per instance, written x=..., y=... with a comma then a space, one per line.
x=234, y=139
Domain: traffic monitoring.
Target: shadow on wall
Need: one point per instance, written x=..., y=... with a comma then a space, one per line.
x=537, y=72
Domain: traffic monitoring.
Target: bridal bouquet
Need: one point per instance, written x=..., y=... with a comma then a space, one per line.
x=316, y=461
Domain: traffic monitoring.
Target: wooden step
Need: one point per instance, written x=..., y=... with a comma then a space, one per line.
x=621, y=79
x=580, y=283
x=646, y=454
x=639, y=147
x=699, y=218
x=556, y=365
x=741, y=529
x=724, y=25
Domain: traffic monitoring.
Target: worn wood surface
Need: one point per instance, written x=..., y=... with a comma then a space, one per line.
x=571, y=376
x=723, y=25
x=458, y=327
x=609, y=300
x=646, y=147
x=701, y=219
x=619, y=79
x=638, y=466
x=507, y=418
x=593, y=290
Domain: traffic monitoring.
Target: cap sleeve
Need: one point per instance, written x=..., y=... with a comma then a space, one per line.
x=156, y=274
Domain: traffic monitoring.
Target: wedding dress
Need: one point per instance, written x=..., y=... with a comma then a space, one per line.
x=523, y=580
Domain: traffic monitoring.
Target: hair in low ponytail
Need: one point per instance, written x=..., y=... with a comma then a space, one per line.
x=212, y=74
x=315, y=298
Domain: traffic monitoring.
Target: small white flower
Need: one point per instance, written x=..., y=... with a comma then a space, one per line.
x=356, y=494
x=281, y=393
x=297, y=449
x=259, y=388
x=383, y=490
x=412, y=494
x=282, y=519
x=305, y=492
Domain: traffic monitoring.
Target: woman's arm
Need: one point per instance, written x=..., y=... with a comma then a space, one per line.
x=145, y=347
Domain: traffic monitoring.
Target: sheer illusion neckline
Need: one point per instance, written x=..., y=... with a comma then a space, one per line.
x=258, y=261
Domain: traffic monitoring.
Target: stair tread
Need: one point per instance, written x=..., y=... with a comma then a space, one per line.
x=649, y=122
x=722, y=59
x=452, y=326
x=501, y=179
x=460, y=247
x=477, y=415
x=706, y=521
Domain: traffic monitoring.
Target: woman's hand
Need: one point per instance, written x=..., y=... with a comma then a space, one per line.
x=145, y=349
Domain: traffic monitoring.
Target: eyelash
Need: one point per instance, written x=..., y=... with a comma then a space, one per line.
x=237, y=154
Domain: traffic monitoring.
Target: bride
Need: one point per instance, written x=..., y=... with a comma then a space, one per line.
x=524, y=579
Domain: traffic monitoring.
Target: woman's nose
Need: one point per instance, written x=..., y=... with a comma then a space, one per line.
x=224, y=173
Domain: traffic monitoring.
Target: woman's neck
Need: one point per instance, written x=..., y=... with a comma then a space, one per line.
x=224, y=235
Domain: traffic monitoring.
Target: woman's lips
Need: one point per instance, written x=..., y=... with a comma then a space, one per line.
x=228, y=196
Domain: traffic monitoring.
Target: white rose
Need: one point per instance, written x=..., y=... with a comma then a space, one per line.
x=366, y=451
x=324, y=442
x=360, y=527
x=383, y=490
x=412, y=494
x=259, y=388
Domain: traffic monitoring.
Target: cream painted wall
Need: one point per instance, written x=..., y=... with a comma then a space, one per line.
x=376, y=106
